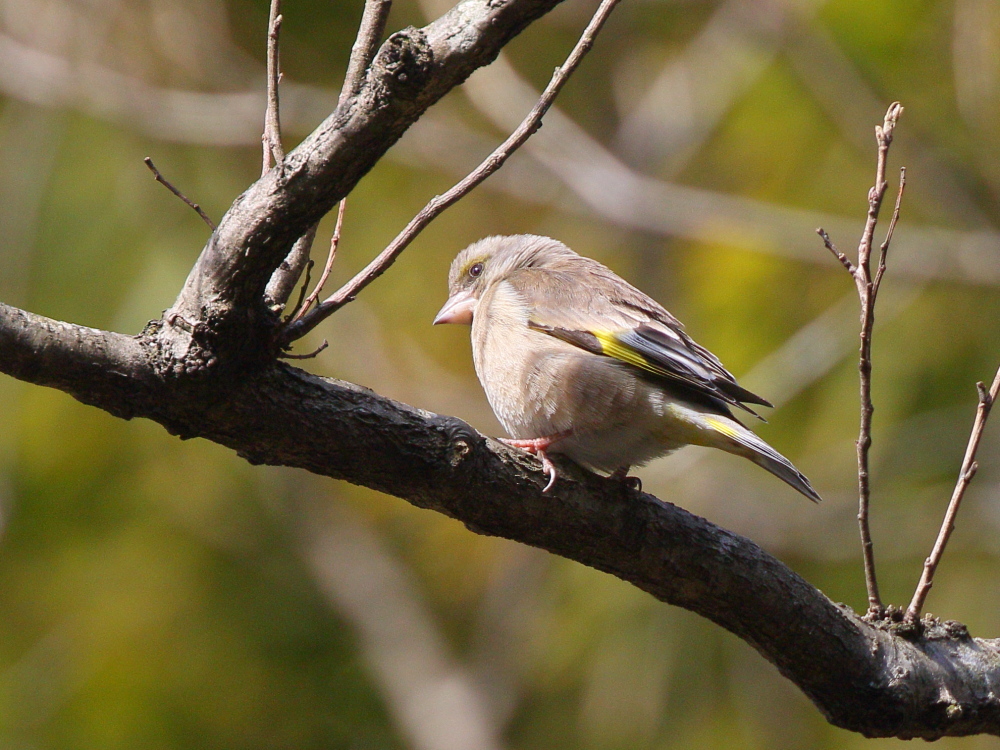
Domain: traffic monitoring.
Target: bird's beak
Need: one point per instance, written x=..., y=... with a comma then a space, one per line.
x=458, y=309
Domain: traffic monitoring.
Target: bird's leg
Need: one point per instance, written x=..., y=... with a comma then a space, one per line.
x=621, y=475
x=537, y=447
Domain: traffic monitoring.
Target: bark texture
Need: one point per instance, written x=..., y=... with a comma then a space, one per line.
x=208, y=369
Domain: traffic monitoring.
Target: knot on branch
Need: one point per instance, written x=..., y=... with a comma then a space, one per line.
x=459, y=435
x=181, y=348
x=402, y=67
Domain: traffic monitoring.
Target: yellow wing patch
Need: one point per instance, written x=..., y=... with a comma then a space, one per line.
x=722, y=426
x=611, y=347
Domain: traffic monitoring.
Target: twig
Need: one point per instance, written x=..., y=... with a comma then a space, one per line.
x=334, y=242
x=969, y=468
x=439, y=203
x=163, y=181
x=302, y=293
x=844, y=260
x=370, y=32
x=884, y=247
x=272, y=122
x=310, y=355
x=867, y=292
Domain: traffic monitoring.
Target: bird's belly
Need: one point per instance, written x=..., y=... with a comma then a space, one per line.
x=631, y=438
x=612, y=418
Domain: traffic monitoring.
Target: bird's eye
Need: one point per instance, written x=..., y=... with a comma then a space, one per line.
x=475, y=270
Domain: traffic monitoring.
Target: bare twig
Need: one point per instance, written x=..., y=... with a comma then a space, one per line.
x=334, y=242
x=310, y=355
x=302, y=293
x=884, y=247
x=163, y=181
x=273, y=149
x=867, y=292
x=366, y=45
x=844, y=260
x=439, y=203
x=969, y=468
x=370, y=32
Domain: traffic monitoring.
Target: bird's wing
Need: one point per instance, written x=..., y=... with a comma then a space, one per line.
x=604, y=315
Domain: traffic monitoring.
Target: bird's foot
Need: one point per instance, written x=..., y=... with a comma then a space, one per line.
x=621, y=475
x=537, y=447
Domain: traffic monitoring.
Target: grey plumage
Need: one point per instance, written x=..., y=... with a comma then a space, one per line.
x=574, y=360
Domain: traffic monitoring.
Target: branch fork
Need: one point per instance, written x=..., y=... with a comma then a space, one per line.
x=868, y=287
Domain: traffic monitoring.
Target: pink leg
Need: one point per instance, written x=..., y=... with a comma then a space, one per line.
x=537, y=447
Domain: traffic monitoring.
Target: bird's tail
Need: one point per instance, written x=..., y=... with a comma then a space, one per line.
x=742, y=442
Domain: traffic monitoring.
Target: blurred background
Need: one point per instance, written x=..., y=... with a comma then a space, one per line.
x=164, y=594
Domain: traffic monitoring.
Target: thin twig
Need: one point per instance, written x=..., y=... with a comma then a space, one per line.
x=302, y=293
x=844, y=260
x=439, y=203
x=884, y=247
x=163, y=181
x=334, y=242
x=271, y=138
x=370, y=32
x=969, y=468
x=867, y=292
x=369, y=37
x=310, y=355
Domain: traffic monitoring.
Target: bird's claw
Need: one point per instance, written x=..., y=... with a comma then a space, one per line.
x=549, y=468
x=536, y=447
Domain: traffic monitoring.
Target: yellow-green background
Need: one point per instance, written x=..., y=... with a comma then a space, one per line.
x=164, y=594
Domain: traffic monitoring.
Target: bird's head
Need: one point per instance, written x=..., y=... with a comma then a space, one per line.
x=490, y=260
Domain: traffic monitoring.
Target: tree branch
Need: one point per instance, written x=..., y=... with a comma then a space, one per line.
x=370, y=32
x=273, y=151
x=282, y=282
x=848, y=667
x=100, y=368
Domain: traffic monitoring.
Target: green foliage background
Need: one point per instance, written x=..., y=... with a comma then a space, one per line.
x=164, y=594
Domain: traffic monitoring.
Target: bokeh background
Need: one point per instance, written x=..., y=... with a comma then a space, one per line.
x=164, y=594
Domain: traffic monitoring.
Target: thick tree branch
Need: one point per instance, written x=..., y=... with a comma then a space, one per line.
x=851, y=669
x=103, y=369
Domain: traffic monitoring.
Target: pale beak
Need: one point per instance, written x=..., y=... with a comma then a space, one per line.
x=458, y=309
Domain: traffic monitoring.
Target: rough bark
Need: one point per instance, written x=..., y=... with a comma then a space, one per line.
x=208, y=369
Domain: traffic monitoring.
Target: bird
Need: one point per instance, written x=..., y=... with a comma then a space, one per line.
x=576, y=361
